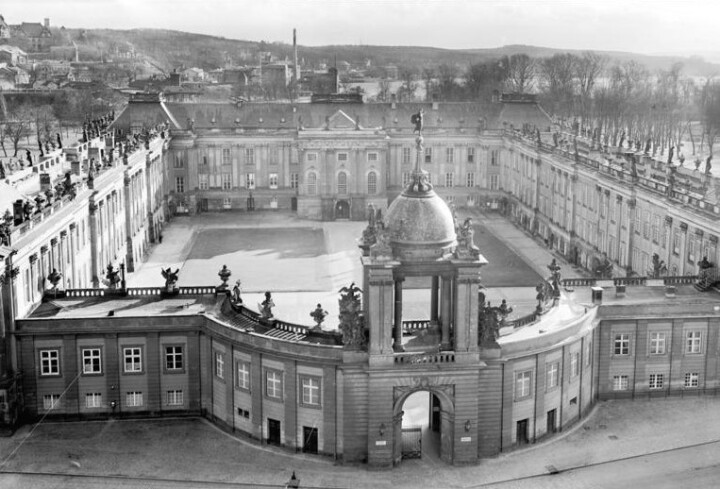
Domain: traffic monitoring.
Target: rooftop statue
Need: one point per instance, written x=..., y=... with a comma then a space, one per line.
x=352, y=322
x=417, y=120
x=266, y=307
x=171, y=279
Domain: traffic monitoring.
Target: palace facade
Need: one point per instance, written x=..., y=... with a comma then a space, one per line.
x=88, y=349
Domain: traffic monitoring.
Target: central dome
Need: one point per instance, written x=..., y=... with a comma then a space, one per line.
x=420, y=224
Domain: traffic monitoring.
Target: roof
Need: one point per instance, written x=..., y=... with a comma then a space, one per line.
x=12, y=49
x=519, y=113
x=33, y=29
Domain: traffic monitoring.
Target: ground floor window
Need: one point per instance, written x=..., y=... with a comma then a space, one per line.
x=692, y=379
x=51, y=401
x=175, y=397
x=134, y=399
x=620, y=383
x=93, y=400
x=656, y=381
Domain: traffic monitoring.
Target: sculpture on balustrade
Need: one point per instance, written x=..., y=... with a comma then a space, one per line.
x=490, y=320
x=698, y=162
x=5, y=233
x=224, y=273
x=369, y=235
x=59, y=140
x=555, y=139
x=28, y=156
x=658, y=267
x=171, y=279
x=266, y=306
x=28, y=209
x=705, y=263
x=112, y=277
x=318, y=314
x=648, y=144
x=236, y=297
x=708, y=165
x=381, y=249
x=604, y=268
x=2, y=171
x=352, y=321
x=671, y=153
x=466, y=242
x=54, y=278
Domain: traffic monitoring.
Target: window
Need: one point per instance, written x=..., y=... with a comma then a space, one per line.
x=133, y=359
x=49, y=362
x=494, y=182
x=552, y=374
x=574, y=364
x=657, y=343
x=622, y=344
x=249, y=156
x=203, y=179
x=471, y=155
x=51, y=401
x=219, y=365
x=179, y=184
x=692, y=380
x=372, y=183
x=494, y=161
x=178, y=163
x=294, y=180
x=372, y=157
x=450, y=155
x=522, y=384
x=620, y=383
x=406, y=156
x=656, y=381
x=134, y=399
x=273, y=180
x=342, y=183
x=312, y=183
x=242, y=380
x=342, y=157
x=588, y=353
x=93, y=400
x=273, y=384
x=693, y=342
x=204, y=161
x=311, y=157
x=449, y=177
x=174, y=397
x=470, y=181
x=243, y=413
x=173, y=358
x=250, y=181
x=226, y=160
x=428, y=155
x=91, y=361
x=226, y=181
x=406, y=178
x=310, y=391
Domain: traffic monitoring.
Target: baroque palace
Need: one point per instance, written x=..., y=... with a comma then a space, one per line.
x=78, y=343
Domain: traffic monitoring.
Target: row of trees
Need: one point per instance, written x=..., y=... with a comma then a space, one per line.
x=614, y=101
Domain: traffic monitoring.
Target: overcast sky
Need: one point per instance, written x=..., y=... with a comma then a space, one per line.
x=645, y=26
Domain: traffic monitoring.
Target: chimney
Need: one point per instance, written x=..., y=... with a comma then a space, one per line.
x=47, y=22
x=295, y=57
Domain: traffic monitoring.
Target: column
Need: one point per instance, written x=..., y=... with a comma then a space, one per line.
x=434, y=286
x=93, y=245
x=445, y=314
x=70, y=279
x=62, y=253
x=129, y=231
x=398, y=330
x=45, y=267
x=53, y=254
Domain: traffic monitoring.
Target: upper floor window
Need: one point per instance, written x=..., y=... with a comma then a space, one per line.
x=406, y=156
x=342, y=157
x=449, y=179
x=178, y=162
x=693, y=342
x=657, y=343
x=574, y=364
x=174, y=357
x=273, y=384
x=471, y=155
x=91, y=361
x=470, y=181
x=428, y=155
x=552, y=374
x=312, y=183
x=203, y=181
x=311, y=157
x=250, y=181
x=294, y=180
x=523, y=383
x=226, y=158
x=226, y=181
x=372, y=157
x=622, y=344
x=49, y=362
x=310, y=391
x=219, y=365
x=342, y=183
x=372, y=183
x=179, y=184
x=242, y=379
x=273, y=180
x=450, y=155
x=132, y=359
x=249, y=156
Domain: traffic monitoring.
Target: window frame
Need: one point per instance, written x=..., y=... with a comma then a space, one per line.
x=245, y=374
x=175, y=394
x=273, y=179
x=166, y=355
x=308, y=389
x=139, y=356
x=656, y=381
x=655, y=343
x=693, y=345
x=55, y=401
x=277, y=380
x=523, y=382
x=92, y=358
x=219, y=365
x=95, y=396
x=552, y=376
x=691, y=380
x=135, y=395
x=618, y=349
x=50, y=373
x=621, y=382
x=372, y=183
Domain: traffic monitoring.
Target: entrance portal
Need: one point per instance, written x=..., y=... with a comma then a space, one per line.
x=342, y=209
x=419, y=428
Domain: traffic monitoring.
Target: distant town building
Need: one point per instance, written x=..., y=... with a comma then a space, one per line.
x=12, y=55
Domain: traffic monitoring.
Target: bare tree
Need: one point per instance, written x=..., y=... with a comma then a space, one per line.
x=481, y=79
x=406, y=92
x=521, y=72
x=588, y=67
x=3, y=136
x=428, y=75
x=447, y=82
x=557, y=76
x=383, y=94
x=711, y=114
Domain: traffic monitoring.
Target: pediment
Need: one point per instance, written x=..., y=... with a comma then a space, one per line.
x=341, y=121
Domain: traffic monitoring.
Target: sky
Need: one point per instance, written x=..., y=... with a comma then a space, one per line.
x=642, y=26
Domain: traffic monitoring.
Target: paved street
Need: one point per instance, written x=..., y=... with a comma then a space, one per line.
x=658, y=443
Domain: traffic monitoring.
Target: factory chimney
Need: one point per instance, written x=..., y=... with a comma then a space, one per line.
x=296, y=68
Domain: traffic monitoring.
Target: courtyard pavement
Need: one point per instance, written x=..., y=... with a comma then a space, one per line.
x=305, y=263
x=190, y=452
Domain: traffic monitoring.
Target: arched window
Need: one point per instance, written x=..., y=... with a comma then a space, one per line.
x=342, y=183
x=312, y=183
x=372, y=183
